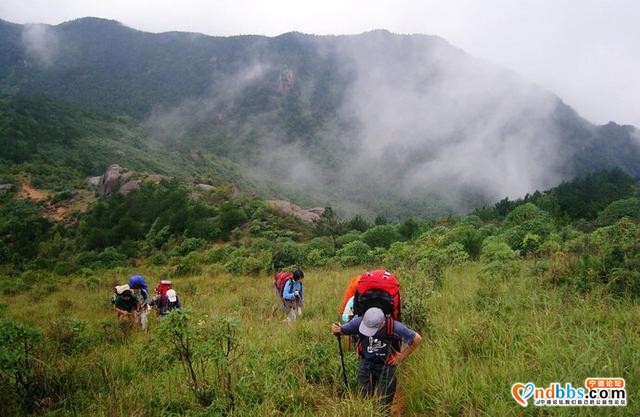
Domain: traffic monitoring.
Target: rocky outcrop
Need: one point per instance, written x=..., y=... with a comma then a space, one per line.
x=307, y=215
x=129, y=186
x=5, y=188
x=93, y=183
x=114, y=177
x=285, y=81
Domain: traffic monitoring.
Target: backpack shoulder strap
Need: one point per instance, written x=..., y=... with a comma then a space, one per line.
x=390, y=326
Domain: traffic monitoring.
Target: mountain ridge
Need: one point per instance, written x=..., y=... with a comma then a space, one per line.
x=310, y=115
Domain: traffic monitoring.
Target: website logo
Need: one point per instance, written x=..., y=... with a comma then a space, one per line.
x=597, y=392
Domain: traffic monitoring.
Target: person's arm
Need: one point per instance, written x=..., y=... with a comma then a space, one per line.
x=121, y=311
x=400, y=356
x=347, y=328
x=287, y=294
x=412, y=338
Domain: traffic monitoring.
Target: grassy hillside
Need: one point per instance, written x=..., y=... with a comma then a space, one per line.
x=523, y=298
x=56, y=145
x=483, y=334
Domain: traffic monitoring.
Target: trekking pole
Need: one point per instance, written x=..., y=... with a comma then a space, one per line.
x=344, y=372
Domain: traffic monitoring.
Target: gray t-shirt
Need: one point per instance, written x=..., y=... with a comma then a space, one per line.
x=378, y=347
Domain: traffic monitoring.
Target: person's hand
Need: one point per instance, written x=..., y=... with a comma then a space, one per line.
x=336, y=329
x=296, y=294
x=394, y=359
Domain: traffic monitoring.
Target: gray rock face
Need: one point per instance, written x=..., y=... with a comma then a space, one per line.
x=113, y=179
x=129, y=186
x=93, y=183
x=309, y=216
x=5, y=187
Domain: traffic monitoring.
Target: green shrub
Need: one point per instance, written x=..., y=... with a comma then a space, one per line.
x=433, y=260
x=348, y=237
x=189, y=245
x=523, y=220
x=377, y=255
x=65, y=268
x=69, y=335
x=242, y=265
x=190, y=264
x=468, y=235
x=13, y=285
x=498, y=258
x=315, y=257
x=400, y=255
x=615, y=211
x=111, y=257
x=381, y=236
x=287, y=254
x=219, y=255
x=353, y=253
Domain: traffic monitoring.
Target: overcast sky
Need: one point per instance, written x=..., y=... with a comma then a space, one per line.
x=586, y=51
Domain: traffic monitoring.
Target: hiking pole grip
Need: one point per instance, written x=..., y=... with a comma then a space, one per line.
x=344, y=372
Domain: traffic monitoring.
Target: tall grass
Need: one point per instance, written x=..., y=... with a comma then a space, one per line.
x=484, y=334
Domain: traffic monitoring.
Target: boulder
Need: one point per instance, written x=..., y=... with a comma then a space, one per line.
x=129, y=186
x=93, y=183
x=308, y=216
x=114, y=177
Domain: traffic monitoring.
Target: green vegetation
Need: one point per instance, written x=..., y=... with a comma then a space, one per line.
x=206, y=101
x=531, y=295
x=542, y=289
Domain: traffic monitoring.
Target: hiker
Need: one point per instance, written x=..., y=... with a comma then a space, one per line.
x=378, y=358
x=292, y=296
x=347, y=308
x=165, y=303
x=140, y=291
x=126, y=305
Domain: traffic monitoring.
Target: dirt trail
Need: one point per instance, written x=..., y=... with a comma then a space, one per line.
x=59, y=211
x=27, y=191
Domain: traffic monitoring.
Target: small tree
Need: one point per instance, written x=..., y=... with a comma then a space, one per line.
x=18, y=345
x=329, y=225
x=207, y=350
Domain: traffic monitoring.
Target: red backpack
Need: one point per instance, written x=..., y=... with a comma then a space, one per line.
x=279, y=281
x=163, y=287
x=380, y=289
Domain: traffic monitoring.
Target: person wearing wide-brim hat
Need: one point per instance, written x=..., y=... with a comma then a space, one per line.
x=378, y=359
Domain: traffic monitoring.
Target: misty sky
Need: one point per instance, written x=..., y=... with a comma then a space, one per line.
x=586, y=51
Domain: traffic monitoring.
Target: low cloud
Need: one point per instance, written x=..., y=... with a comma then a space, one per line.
x=434, y=120
x=418, y=119
x=41, y=43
